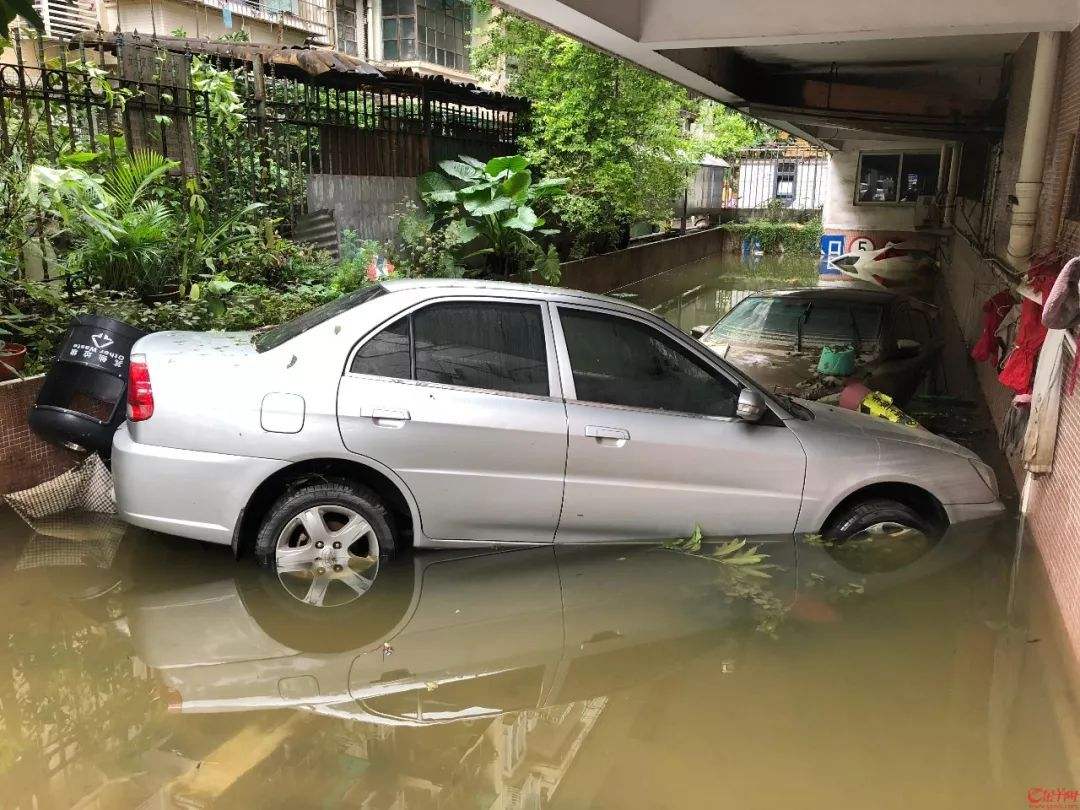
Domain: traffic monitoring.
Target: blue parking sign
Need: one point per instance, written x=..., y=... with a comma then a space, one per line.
x=832, y=244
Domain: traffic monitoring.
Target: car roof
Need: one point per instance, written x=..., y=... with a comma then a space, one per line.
x=476, y=285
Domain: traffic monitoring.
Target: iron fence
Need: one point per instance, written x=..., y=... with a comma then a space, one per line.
x=778, y=180
x=110, y=94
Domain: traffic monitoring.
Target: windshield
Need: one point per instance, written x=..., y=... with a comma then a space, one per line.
x=784, y=320
x=272, y=338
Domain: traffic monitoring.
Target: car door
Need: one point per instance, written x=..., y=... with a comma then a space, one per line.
x=654, y=445
x=911, y=348
x=460, y=398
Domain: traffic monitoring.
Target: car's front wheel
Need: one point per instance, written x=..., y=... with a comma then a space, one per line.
x=326, y=542
x=879, y=518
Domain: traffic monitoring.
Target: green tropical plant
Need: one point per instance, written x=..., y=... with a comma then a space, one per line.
x=124, y=238
x=205, y=243
x=492, y=210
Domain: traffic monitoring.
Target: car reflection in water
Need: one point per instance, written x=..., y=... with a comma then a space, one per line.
x=457, y=667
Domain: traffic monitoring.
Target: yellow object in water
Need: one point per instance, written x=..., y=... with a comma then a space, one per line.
x=881, y=405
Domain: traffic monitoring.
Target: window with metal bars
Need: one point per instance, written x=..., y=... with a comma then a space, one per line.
x=435, y=31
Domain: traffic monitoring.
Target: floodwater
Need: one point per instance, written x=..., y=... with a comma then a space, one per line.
x=146, y=671
x=700, y=292
x=142, y=671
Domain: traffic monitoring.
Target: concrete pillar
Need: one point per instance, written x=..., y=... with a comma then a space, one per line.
x=1029, y=178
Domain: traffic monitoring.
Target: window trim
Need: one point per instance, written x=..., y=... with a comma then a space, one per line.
x=794, y=173
x=554, y=387
x=900, y=173
x=570, y=390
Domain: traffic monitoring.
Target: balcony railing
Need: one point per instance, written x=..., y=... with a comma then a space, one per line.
x=65, y=18
x=305, y=15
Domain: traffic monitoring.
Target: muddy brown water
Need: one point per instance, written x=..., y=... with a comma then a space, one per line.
x=142, y=671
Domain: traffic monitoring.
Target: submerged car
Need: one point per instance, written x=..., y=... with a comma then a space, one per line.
x=447, y=413
x=895, y=265
x=777, y=338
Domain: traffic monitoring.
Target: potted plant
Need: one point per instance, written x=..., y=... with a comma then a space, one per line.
x=12, y=359
x=12, y=354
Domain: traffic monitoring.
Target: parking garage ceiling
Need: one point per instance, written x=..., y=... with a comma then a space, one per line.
x=853, y=69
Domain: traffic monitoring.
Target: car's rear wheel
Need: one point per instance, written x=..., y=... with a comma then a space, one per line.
x=879, y=519
x=329, y=610
x=326, y=542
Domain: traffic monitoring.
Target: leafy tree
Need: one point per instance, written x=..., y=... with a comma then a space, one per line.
x=726, y=131
x=618, y=132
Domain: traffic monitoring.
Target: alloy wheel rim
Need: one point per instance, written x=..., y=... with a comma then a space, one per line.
x=888, y=530
x=327, y=555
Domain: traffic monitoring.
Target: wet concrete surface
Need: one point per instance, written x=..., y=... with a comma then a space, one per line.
x=142, y=668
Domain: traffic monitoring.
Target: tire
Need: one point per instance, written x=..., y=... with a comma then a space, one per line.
x=355, y=497
x=360, y=602
x=878, y=512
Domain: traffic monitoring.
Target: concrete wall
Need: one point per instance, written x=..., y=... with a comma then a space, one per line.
x=368, y=205
x=1053, y=514
x=609, y=271
x=842, y=214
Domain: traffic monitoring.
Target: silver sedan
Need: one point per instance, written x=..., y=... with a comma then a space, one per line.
x=444, y=413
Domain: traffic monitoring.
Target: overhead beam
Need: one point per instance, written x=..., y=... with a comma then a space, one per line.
x=575, y=22
x=705, y=23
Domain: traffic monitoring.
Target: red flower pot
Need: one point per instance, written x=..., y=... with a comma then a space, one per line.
x=12, y=359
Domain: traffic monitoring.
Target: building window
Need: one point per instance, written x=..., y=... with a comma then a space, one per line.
x=346, y=27
x=896, y=177
x=785, y=180
x=435, y=31
x=430, y=30
x=399, y=29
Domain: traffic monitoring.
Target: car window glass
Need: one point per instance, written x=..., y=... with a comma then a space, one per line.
x=495, y=346
x=618, y=361
x=779, y=320
x=272, y=338
x=386, y=354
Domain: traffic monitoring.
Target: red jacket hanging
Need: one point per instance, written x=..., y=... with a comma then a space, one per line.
x=994, y=310
x=1019, y=368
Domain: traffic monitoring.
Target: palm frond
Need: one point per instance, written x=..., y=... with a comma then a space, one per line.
x=132, y=176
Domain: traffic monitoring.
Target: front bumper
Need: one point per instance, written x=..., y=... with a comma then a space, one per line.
x=963, y=512
x=184, y=492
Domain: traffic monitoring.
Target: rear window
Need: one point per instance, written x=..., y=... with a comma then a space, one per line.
x=778, y=321
x=272, y=338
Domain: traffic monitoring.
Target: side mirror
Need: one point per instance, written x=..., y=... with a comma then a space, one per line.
x=699, y=331
x=751, y=405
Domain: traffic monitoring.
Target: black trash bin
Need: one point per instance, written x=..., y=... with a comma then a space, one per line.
x=83, y=399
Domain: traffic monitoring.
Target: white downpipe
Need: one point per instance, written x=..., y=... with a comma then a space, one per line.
x=954, y=183
x=1029, y=178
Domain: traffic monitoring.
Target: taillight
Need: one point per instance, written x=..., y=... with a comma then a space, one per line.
x=140, y=396
x=890, y=253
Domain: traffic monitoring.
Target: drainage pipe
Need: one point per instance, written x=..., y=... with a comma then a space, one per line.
x=954, y=183
x=1030, y=175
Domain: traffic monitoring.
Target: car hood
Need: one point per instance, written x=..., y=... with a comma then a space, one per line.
x=883, y=430
x=773, y=369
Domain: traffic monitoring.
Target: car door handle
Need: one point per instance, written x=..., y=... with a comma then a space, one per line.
x=389, y=417
x=603, y=637
x=608, y=435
